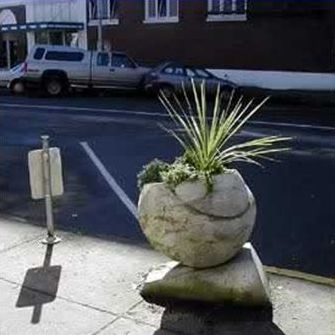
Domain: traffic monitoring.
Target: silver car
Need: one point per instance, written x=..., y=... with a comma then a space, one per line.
x=12, y=79
x=170, y=78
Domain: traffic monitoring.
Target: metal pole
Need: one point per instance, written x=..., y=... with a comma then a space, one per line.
x=100, y=43
x=8, y=54
x=51, y=238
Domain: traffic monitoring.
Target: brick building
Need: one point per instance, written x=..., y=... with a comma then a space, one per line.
x=292, y=35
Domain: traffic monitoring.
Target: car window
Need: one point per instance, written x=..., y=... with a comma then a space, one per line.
x=122, y=61
x=197, y=73
x=179, y=71
x=103, y=59
x=39, y=52
x=202, y=74
x=190, y=73
x=68, y=56
x=168, y=70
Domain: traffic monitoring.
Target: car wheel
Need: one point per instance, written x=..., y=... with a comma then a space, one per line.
x=54, y=87
x=17, y=87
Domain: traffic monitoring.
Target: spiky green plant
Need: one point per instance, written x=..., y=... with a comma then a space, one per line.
x=205, y=137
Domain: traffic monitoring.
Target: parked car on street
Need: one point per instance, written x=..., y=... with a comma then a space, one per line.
x=171, y=76
x=56, y=69
x=12, y=79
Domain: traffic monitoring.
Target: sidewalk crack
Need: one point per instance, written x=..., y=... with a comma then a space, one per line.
x=37, y=237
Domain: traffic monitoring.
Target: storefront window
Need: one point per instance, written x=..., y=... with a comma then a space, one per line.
x=41, y=37
x=71, y=39
x=56, y=38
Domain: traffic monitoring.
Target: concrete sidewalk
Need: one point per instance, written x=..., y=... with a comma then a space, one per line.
x=88, y=286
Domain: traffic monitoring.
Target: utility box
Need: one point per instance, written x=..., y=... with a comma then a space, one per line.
x=36, y=174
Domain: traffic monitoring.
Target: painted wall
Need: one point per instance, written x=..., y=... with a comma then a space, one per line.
x=279, y=80
x=56, y=10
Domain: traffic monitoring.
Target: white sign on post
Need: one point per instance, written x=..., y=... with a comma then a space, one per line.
x=36, y=174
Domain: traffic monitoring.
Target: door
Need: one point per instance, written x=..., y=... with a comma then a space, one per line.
x=13, y=53
x=101, y=66
x=9, y=54
x=124, y=71
x=3, y=55
x=174, y=75
x=116, y=70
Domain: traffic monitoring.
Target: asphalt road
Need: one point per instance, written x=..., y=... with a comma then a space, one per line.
x=106, y=140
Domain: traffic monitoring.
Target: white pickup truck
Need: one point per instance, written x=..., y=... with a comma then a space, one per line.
x=56, y=69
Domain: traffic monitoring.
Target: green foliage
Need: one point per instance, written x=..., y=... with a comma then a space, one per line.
x=151, y=173
x=205, y=139
x=204, y=135
x=179, y=172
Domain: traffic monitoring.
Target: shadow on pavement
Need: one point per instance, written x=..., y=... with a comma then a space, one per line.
x=202, y=320
x=40, y=286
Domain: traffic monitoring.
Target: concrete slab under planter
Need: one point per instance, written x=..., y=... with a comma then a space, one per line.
x=240, y=282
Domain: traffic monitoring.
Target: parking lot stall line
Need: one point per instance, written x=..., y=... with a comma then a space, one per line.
x=110, y=179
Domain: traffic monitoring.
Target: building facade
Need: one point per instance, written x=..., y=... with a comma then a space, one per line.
x=288, y=35
x=26, y=22
x=291, y=35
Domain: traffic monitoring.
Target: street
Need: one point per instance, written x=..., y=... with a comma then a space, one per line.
x=106, y=140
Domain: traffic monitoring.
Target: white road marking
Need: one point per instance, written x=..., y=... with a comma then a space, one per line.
x=83, y=109
x=142, y=113
x=292, y=125
x=110, y=179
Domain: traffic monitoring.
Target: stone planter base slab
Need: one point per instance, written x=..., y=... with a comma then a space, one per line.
x=240, y=282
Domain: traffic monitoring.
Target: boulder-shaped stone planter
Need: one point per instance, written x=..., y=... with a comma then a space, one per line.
x=197, y=228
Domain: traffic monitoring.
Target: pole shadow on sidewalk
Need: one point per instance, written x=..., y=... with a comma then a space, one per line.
x=40, y=286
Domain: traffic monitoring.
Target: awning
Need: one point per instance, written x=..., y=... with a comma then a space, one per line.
x=42, y=25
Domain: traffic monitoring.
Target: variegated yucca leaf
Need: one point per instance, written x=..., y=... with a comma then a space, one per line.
x=204, y=137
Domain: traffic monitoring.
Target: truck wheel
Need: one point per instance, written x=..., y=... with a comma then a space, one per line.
x=54, y=86
x=17, y=87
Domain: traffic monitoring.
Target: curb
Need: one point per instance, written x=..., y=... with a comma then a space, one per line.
x=300, y=275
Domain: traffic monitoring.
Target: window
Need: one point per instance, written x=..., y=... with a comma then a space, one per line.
x=161, y=11
x=119, y=60
x=202, y=73
x=108, y=10
x=179, y=71
x=103, y=59
x=56, y=38
x=39, y=53
x=227, y=10
x=42, y=37
x=169, y=70
x=71, y=39
x=65, y=56
x=176, y=71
